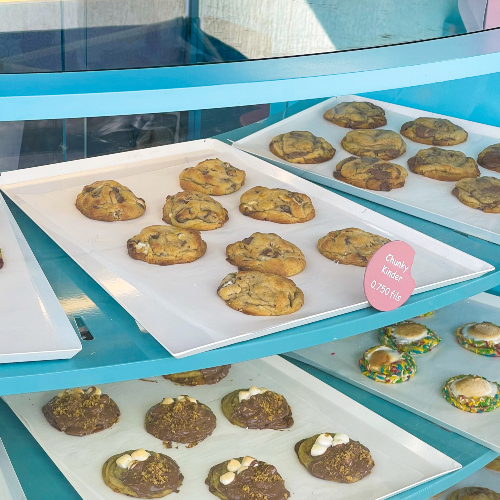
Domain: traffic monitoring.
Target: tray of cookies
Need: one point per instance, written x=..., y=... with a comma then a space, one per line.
x=442, y=169
x=268, y=428
x=34, y=326
x=207, y=240
x=444, y=367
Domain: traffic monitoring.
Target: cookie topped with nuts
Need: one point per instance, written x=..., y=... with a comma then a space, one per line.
x=214, y=177
x=257, y=408
x=381, y=144
x=434, y=131
x=246, y=478
x=142, y=474
x=78, y=413
x=301, y=147
x=194, y=210
x=356, y=115
x=181, y=420
x=109, y=201
x=203, y=376
x=482, y=193
x=276, y=205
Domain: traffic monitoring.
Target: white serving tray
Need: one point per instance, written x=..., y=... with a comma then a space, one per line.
x=422, y=393
x=484, y=478
x=425, y=198
x=173, y=299
x=10, y=488
x=401, y=460
x=33, y=325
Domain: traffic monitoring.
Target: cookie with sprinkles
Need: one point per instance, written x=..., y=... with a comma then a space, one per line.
x=481, y=338
x=472, y=393
x=410, y=337
x=387, y=365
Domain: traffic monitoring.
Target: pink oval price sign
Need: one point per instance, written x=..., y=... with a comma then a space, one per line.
x=388, y=281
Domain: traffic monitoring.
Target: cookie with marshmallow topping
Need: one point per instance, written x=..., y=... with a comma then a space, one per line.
x=472, y=393
x=246, y=479
x=387, y=365
x=142, y=474
x=257, y=408
x=481, y=338
x=335, y=457
x=410, y=337
x=78, y=413
x=182, y=420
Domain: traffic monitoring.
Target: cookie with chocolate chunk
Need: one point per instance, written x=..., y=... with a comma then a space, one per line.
x=381, y=144
x=301, y=147
x=356, y=115
x=482, y=193
x=490, y=158
x=202, y=376
x=434, y=131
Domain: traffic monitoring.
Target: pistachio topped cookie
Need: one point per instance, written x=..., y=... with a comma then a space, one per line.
x=434, y=131
x=246, y=478
x=410, y=337
x=257, y=408
x=301, y=147
x=109, y=201
x=482, y=193
x=335, y=457
x=142, y=474
x=490, y=158
x=203, y=376
x=481, y=338
x=443, y=164
x=381, y=144
x=387, y=365
x=79, y=413
x=472, y=393
x=213, y=177
x=356, y=115
x=267, y=253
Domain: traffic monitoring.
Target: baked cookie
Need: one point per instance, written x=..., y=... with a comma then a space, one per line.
x=434, y=131
x=246, y=478
x=301, y=147
x=276, y=205
x=481, y=338
x=142, y=474
x=386, y=365
x=381, y=144
x=256, y=408
x=472, y=393
x=425, y=315
x=79, y=413
x=494, y=465
x=1, y=259
x=356, y=115
x=214, y=177
x=335, y=457
x=109, y=201
x=194, y=210
x=204, y=376
x=490, y=158
x=410, y=337
x=166, y=245
x=482, y=193
x=260, y=294
x=182, y=420
x=474, y=493
x=350, y=246
x=370, y=173
x=267, y=253
x=443, y=164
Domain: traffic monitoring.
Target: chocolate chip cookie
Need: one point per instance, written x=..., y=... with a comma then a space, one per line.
x=370, y=173
x=434, y=131
x=381, y=144
x=276, y=205
x=482, y=193
x=194, y=210
x=443, y=164
x=260, y=294
x=490, y=158
x=267, y=253
x=109, y=201
x=301, y=147
x=203, y=376
x=356, y=115
x=213, y=177
x=350, y=246
x=165, y=245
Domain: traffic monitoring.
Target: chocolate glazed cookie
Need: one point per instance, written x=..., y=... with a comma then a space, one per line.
x=256, y=408
x=203, y=376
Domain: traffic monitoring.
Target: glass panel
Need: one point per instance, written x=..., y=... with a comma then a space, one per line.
x=78, y=35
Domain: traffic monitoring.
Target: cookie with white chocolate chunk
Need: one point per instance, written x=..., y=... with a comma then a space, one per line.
x=256, y=408
x=142, y=474
x=472, y=393
x=335, y=457
x=246, y=479
x=387, y=365
x=481, y=338
x=182, y=420
x=410, y=337
x=78, y=413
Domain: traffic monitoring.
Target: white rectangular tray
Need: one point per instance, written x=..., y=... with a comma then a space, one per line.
x=33, y=325
x=425, y=198
x=484, y=478
x=401, y=460
x=173, y=299
x=422, y=393
x=10, y=488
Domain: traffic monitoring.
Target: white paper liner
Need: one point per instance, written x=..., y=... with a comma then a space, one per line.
x=483, y=478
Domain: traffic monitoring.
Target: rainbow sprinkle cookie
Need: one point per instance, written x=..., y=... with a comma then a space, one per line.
x=410, y=337
x=472, y=393
x=387, y=365
x=481, y=338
